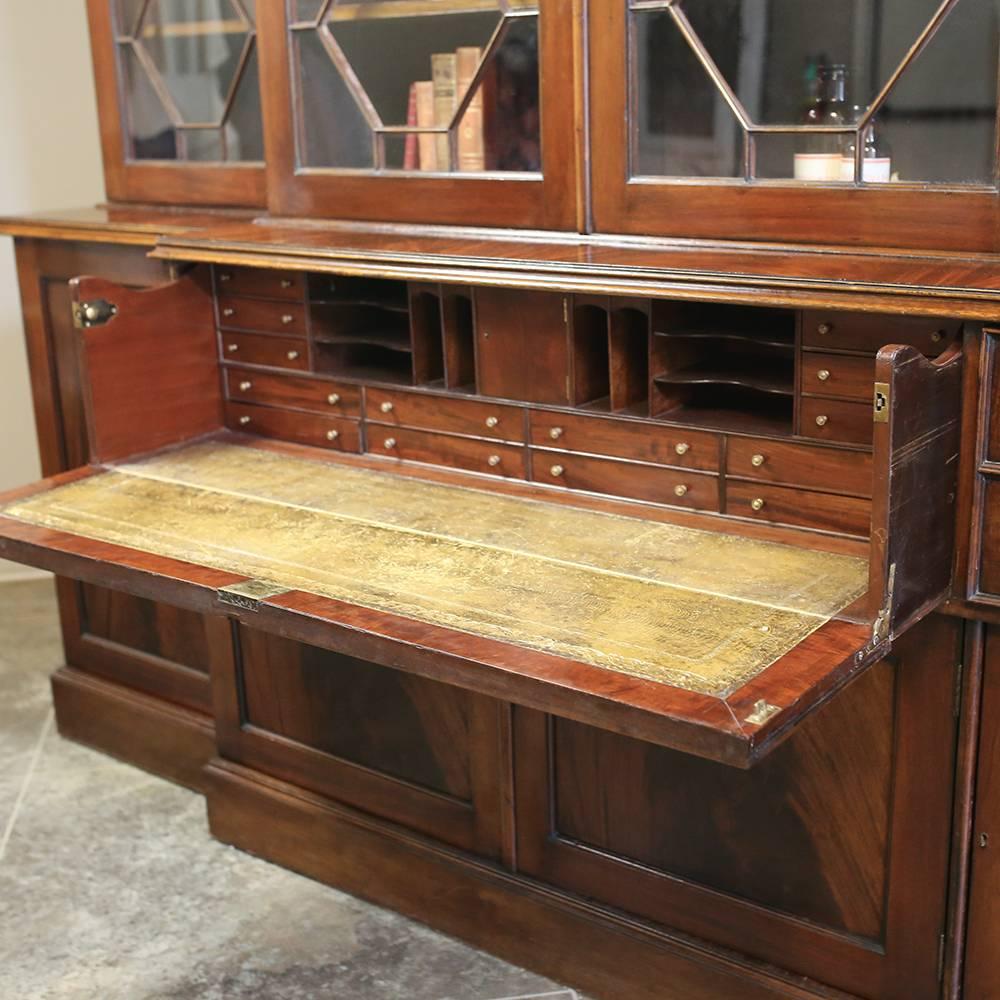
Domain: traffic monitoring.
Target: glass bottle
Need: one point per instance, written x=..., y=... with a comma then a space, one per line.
x=876, y=157
x=820, y=159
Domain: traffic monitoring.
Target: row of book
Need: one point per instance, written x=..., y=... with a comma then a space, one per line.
x=433, y=103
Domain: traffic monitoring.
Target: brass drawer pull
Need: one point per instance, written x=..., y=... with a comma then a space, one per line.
x=225, y=276
x=937, y=336
x=246, y=386
x=286, y=283
x=389, y=444
x=682, y=447
x=493, y=461
x=292, y=355
x=680, y=490
x=557, y=470
x=333, y=399
x=492, y=421
x=244, y=420
x=228, y=311
x=757, y=504
x=824, y=328
x=386, y=407
x=332, y=435
x=232, y=348
x=822, y=420
x=757, y=461
x=822, y=375
x=287, y=318
x=556, y=433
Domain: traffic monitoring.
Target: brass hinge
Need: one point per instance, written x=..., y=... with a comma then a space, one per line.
x=96, y=313
x=880, y=403
x=959, y=670
x=566, y=309
x=941, y=950
x=762, y=711
x=247, y=596
x=880, y=628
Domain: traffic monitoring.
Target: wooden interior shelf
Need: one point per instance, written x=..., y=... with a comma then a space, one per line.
x=748, y=376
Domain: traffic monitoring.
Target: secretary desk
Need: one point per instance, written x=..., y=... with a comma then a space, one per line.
x=533, y=465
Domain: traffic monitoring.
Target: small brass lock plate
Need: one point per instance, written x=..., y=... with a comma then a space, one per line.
x=881, y=403
x=94, y=313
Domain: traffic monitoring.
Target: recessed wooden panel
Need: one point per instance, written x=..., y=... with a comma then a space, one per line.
x=394, y=723
x=522, y=345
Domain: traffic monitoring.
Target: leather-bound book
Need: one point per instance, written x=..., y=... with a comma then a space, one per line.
x=471, y=148
x=411, y=148
x=443, y=74
x=425, y=119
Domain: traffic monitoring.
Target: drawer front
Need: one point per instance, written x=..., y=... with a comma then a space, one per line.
x=835, y=420
x=258, y=314
x=260, y=281
x=838, y=375
x=869, y=333
x=676, y=487
x=263, y=349
x=336, y=433
x=623, y=439
x=289, y=390
x=444, y=449
x=780, y=505
x=443, y=413
x=783, y=462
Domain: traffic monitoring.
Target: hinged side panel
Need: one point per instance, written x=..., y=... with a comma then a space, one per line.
x=917, y=415
x=149, y=363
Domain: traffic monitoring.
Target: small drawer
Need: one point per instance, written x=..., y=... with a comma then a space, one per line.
x=837, y=375
x=445, y=413
x=793, y=464
x=445, y=449
x=263, y=349
x=260, y=281
x=290, y=390
x=869, y=332
x=643, y=442
x=337, y=433
x=676, y=487
x=780, y=505
x=257, y=314
x=835, y=420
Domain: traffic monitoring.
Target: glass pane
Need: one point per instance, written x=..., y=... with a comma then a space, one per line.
x=202, y=144
x=306, y=10
x=684, y=128
x=150, y=133
x=127, y=14
x=939, y=122
x=244, y=128
x=196, y=48
x=333, y=131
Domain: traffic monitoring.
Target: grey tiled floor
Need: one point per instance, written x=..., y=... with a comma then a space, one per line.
x=111, y=887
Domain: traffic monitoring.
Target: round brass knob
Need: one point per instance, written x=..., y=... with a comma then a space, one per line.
x=333, y=399
x=245, y=386
x=682, y=448
x=556, y=433
x=821, y=420
x=822, y=375
x=757, y=503
x=232, y=348
x=228, y=311
x=757, y=461
x=680, y=490
x=92, y=313
x=937, y=336
x=493, y=461
x=389, y=444
x=824, y=328
x=292, y=355
x=386, y=407
x=287, y=318
x=557, y=470
x=492, y=421
x=225, y=276
x=332, y=435
x=244, y=420
x=286, y=282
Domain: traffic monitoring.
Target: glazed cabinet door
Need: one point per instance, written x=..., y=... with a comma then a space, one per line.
x=458, y=111
x=829, y=859
x=804, y=122
x=178, y=95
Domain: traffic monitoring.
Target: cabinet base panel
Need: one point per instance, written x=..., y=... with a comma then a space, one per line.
x=165, y=739
x=606, y=954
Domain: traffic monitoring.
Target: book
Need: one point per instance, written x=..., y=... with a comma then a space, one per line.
x=443, y=74
x=411, y=148
x=471, y=147
x=426, y=144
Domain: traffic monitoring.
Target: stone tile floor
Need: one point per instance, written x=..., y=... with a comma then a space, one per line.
x=112, y=889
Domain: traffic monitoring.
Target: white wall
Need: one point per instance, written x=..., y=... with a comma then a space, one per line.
x=49, y=159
